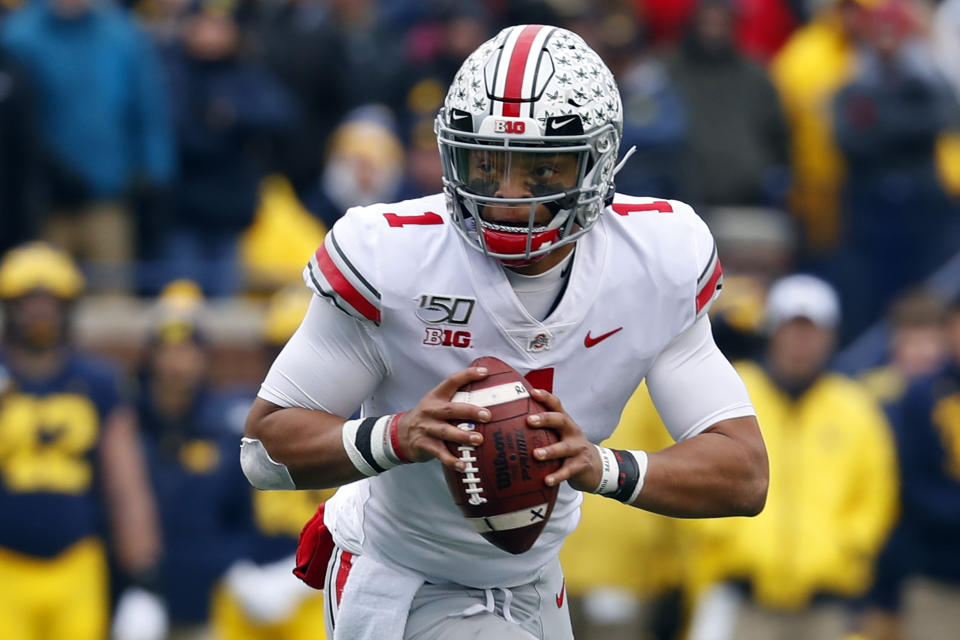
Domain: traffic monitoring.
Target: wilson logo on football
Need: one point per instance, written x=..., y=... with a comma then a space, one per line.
x=435, y=309
x=447, y=338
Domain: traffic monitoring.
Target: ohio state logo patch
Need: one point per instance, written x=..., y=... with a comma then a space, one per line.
x=539, y=342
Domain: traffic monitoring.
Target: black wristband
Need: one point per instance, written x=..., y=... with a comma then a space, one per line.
x=628, y=477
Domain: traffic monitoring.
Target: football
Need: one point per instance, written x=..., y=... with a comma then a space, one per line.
x=502, y=491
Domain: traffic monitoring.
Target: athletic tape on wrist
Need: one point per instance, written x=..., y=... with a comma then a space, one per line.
x=611, y=469
x=623, y=473
x=372, y=444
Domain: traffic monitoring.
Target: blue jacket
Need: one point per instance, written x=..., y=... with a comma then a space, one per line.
x=926, y=541
x=226, y=113
x=927, y=428
x=202, y=496
x=101, y=100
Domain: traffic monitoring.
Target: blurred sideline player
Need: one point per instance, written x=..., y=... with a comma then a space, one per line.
x=792, y=572
x=261, y=599
x=191, y=449
x=917, y=349
x=917, y=594
x=528, y=255
x=69, y=457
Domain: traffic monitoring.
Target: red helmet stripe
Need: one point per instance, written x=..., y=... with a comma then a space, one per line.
x=512, y=91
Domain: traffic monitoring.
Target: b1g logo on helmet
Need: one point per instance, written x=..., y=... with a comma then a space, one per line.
x=447, y=338
x=517, y=127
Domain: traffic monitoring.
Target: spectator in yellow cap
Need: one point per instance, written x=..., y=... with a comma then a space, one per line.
x=364, y=164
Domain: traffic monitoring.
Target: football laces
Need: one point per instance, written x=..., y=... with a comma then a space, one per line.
x=470, y=471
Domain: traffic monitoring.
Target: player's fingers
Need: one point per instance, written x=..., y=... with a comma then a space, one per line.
x=554, y=420
x=547, y=399
x=460, y=411
x=439, y=450
x=559, y=450
x=449, y=386
x=457, y=434
x=570, y=468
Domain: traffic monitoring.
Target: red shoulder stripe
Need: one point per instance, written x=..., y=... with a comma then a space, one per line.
x=706, y=293
x=343, y=288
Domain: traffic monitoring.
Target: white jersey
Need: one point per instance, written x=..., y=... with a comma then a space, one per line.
x=430, y=305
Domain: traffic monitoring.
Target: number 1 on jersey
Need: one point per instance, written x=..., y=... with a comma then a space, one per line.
x=396, y=220
x=624, y=209
x=541, y=379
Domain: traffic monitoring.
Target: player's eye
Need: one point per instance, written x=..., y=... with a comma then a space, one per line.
x=543, y=173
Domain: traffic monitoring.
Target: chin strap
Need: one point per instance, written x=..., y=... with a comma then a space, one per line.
x=609, y=199
x=623, y=160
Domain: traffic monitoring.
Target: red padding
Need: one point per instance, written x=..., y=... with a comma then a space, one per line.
x=313, y=551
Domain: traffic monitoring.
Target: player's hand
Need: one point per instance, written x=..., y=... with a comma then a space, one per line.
x=581, y=462
x=139, y=615
x=268, y=593
x=423, y=430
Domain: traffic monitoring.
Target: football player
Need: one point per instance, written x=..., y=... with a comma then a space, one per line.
x=187, y=443
x=68, y=448
x=527, y=255
x=262, y=599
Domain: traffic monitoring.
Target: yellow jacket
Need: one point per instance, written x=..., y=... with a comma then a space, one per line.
x=283, y=236
x=832, y=495
x=814, y=63
x=616, y=545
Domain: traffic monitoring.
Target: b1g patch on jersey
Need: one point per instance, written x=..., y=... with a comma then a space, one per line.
x=437, y=309
x=436, y=337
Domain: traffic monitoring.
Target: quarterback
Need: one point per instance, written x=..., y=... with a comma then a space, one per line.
x=527, y=255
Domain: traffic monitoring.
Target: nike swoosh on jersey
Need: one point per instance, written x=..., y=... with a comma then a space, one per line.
x=556, y=124
x=589, y=342
x=563, y=588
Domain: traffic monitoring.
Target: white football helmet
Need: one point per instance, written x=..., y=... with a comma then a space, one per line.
x=533, y=101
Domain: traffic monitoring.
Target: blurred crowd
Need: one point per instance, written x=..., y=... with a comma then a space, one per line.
x=178, y=153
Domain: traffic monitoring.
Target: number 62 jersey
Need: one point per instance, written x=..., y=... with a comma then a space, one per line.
x=426, y=305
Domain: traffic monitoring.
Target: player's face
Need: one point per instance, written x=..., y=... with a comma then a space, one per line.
x=799, y=349
x=37, y=321
x=180, y=366
x=918, y=350
x=516, y=174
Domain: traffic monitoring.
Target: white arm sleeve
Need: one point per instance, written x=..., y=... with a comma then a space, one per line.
x=694, y=386
x=330, y=364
